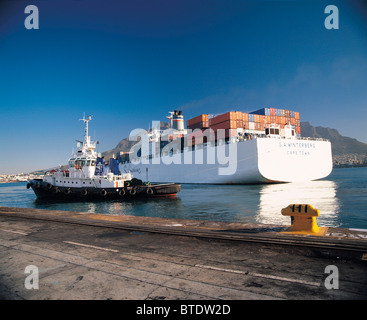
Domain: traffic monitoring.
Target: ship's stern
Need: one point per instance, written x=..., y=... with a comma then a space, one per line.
x=294, y=160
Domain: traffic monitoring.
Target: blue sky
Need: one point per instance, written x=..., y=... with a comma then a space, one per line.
x=130, y=62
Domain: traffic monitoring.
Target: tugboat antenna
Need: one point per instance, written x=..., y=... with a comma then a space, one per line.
x=86, y=120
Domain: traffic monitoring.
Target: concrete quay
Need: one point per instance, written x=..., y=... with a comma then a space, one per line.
x=82, y=256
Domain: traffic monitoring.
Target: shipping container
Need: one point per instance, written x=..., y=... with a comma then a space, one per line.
x=251, y=125
x=256, y=118
x=257, y=126
x=296, y=115
x=292, y=114
x=262, y=119
x=229, y=124
x=201, y=118
x=282, y=112
x=298, y=129
x=267, y=119
x=251, y=117
x=239, y=115
x=263, y=111
x=283, y=120
x=223, y=117
x=199, y=125
x=293, y=121
x=245, y=117
x=272, y=111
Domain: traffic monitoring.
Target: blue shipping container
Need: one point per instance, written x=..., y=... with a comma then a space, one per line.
x=263, y=111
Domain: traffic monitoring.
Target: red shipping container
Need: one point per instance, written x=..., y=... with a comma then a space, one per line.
x=245, y=117
x=267, y=119
x=239, y=115
x=287, y=113
x=283, y=120
x=225, y=125
x=199, y=125
x=261, y=118
x=272, y=111
x=296, y=115
x=293, y=121
x=257, y=117
x=298, y=129
x=272, y=119
x=201, y=118
x=223, y=117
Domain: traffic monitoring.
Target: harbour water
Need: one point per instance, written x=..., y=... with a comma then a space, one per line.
x=341, y=199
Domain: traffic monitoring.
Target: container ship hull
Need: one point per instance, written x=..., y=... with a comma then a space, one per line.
x=261, y=160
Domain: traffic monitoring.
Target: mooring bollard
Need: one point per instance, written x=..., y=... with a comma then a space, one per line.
x=303, y=218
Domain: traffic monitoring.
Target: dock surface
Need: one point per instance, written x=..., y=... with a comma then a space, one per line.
x=97, y=257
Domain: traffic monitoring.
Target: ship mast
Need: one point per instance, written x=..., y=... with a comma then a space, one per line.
x=86, y=143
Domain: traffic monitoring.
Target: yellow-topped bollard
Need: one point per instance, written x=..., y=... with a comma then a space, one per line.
x=303, y=218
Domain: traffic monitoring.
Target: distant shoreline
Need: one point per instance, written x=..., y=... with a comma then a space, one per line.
x=350, y=166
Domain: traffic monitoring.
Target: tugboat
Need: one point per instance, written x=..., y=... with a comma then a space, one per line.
x=87, y=178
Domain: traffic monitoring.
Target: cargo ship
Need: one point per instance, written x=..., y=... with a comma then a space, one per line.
x=263, y=146
x=88, y=177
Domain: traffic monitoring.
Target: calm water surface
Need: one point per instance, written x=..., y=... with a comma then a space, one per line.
x=341, y=199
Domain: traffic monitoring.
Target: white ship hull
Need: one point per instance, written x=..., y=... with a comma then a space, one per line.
x=261, y=160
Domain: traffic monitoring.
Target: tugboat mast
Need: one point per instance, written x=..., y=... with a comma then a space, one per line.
x=86, y=136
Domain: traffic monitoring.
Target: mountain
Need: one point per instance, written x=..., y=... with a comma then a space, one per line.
x=344, y=148
x=341, y=145
x=125, y=145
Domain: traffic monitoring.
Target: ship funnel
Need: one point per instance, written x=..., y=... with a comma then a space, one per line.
x=177, y=121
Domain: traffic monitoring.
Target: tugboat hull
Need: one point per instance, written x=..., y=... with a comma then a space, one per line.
x=44, y=190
